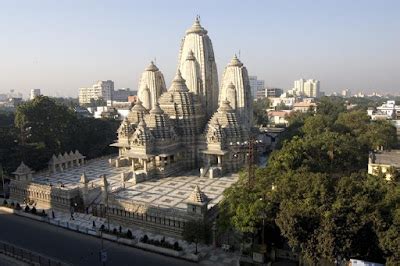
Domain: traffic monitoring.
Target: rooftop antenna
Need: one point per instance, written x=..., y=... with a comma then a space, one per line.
x=239, y=54
x=155, y=60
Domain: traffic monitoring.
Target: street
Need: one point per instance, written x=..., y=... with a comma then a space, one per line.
x=72, y=247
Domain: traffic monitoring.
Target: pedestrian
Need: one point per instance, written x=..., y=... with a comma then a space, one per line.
x=94, y=224
x=52, y=214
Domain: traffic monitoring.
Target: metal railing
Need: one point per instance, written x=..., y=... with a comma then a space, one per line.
x=30, y=257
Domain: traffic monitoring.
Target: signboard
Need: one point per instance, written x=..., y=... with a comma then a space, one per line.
x=103, y=256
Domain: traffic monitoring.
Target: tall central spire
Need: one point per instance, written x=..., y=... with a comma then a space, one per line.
x=198, y=67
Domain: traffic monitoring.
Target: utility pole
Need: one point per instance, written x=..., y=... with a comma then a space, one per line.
x=250, y=161
x=2, y=179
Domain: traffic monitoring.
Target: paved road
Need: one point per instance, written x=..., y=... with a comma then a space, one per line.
x=72, y=247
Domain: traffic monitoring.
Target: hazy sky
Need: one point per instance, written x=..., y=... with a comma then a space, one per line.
x=59, y=46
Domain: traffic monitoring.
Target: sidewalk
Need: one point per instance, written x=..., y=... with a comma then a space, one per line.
x=84, y=223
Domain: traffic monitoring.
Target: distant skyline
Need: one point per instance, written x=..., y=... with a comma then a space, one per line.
x=59, y=46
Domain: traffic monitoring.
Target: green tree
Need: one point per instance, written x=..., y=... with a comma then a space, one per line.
x=43, y=121
x=196, y=231
x=260, y=107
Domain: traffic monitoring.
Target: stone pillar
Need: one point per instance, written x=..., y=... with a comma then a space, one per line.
x=219, y=157
x=162, y=161
x=168, y=160
x=133, y=164
x=145, y=165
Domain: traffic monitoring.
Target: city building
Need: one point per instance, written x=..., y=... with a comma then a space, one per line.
x=308, y=88
x=174, y=162
x=384, y=162
x=273, y=92
x=34, y=93
x=388, y=110
x=288, y=102
x=346, y=93
x=305, y=106
x=279, y=118
x=122, y=95
x=257, y=86
x=101, y=90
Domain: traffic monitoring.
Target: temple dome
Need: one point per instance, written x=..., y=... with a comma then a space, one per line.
x=225, y=119
x=152, y=67
x=235, y=62
x=138, y=111
x=178, y=83
x=196, y=27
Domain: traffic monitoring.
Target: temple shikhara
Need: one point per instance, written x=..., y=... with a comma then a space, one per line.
x=179, y=148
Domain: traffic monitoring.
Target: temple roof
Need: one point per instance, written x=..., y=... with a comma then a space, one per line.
x=152, y=67
x=138, y=111
x=235, y=62
x=178, y=84
x=197, y=196
x=196, y=27
x=23, y=169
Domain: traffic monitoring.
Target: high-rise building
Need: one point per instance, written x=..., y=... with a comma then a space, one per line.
x=273, y=92
x=346, y=93
x=103, y=89
x=122, y=95
x=256, y=86
x=308, y=88
x=34, y=93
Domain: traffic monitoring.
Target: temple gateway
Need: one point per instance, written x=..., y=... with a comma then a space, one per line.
x=178, y=149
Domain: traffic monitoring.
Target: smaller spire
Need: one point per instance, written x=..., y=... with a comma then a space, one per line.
x=152, y=67
x=197, y=196
x=235, y=62
x=196, y=27
x=179, y=83
x=23, y=169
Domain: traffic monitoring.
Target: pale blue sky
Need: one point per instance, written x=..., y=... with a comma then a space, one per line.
x=59, y=46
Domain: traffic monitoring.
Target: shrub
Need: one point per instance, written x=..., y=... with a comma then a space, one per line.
x=176, y=246
x=114, y=231
x=18, y=207
x=12, y=204
x=27, y=209
x=144, y=239
x=4, y=202
x=102, y=227
x=33, y=210
x=129, y=234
